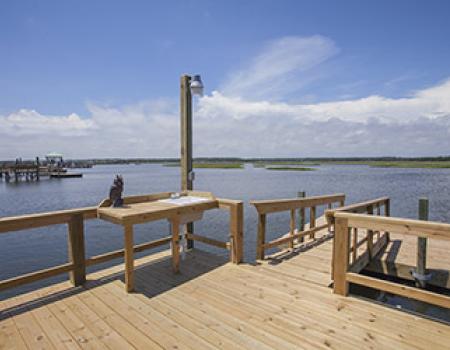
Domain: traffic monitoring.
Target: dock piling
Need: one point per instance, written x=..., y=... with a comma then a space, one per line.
x=420, y=274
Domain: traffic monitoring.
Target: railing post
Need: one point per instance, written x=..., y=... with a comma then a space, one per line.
x=387, y=212
x=312, y=221
x=355, y=243
x=341, y=256
x=301, y=215
x=76, y=250
x=378, y=206
x=301, y=212
x=370, y=235
x=261, y=237
x=292, y=228
x=237, y=232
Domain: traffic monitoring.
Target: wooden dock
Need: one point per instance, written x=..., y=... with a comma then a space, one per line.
x=284, y=301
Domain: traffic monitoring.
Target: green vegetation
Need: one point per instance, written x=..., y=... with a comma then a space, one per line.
x=261, y=164
x=388, y=163
x=289, y=168
x=411, y=164
x=213, y=165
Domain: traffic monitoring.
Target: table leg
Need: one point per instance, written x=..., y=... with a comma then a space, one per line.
x=175, y=246
x=129, y=259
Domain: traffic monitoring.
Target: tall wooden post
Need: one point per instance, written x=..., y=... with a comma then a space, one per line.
x=420, y=274
x=76, y=250
x=261, y=237
x=186, y=143
x=341, y=256
x=237, y=232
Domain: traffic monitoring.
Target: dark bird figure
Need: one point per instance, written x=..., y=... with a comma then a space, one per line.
x=115, y=192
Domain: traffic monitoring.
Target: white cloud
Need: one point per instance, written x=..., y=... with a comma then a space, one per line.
x=275, y=70
x=232, y=122
x=428, y=103
x=29, y=122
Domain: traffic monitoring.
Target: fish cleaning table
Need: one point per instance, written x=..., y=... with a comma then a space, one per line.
x=138, y=210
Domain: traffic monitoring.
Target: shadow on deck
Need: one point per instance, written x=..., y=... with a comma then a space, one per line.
x=153, y=277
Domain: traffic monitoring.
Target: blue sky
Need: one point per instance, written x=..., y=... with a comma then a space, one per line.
x=77, y=65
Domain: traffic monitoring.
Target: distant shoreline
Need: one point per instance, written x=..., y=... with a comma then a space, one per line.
x=442, y=162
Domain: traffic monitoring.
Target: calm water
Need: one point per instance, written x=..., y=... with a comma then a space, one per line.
x=26, y=251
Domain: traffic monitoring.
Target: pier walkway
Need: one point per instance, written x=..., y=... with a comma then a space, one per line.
x=281, y=303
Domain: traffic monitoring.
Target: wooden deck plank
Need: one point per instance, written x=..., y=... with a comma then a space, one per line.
x=256, y=291
x=193, y=301
x=366, y=313
x=10, y=337
x=296, y=307
x=184, y=319
x=119, y=317
x=96, y=324
x=55, y=331
x=30, y=330
x=75, y=326
x=166, y=327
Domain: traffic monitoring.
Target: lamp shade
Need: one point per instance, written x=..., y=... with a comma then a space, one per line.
x=197, y=85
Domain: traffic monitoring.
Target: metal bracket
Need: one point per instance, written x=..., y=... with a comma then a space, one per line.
x=421, y=279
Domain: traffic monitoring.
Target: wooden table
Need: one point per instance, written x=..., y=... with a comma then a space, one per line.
x=176, y=211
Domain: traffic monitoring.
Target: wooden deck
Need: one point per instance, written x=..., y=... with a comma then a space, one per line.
x=399, y=258
x=282, y=303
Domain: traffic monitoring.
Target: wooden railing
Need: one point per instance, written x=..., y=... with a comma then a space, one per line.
x=379, y=206
x=265, y=207
x=74, y=218
x=345, y=274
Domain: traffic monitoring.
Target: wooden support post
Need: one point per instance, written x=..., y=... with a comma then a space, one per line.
x=370, y=234
x=292, y=228
x=187, y=179
x=421, y=269
x=387, y=212
x=341, y=256
x=301, y=215
x=129, y=258
x=76, y=249
x=175, y=225
x=312, y=221
x=261, y=237
x=355, y=243
x=237, y=232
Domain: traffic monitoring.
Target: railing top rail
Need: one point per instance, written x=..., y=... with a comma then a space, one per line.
x=29, y=221
x=420, y=228
x=276, y=205
x=361, y=206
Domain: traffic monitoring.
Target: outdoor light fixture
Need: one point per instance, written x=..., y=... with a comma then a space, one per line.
x=189, y=86
x=196, y=85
